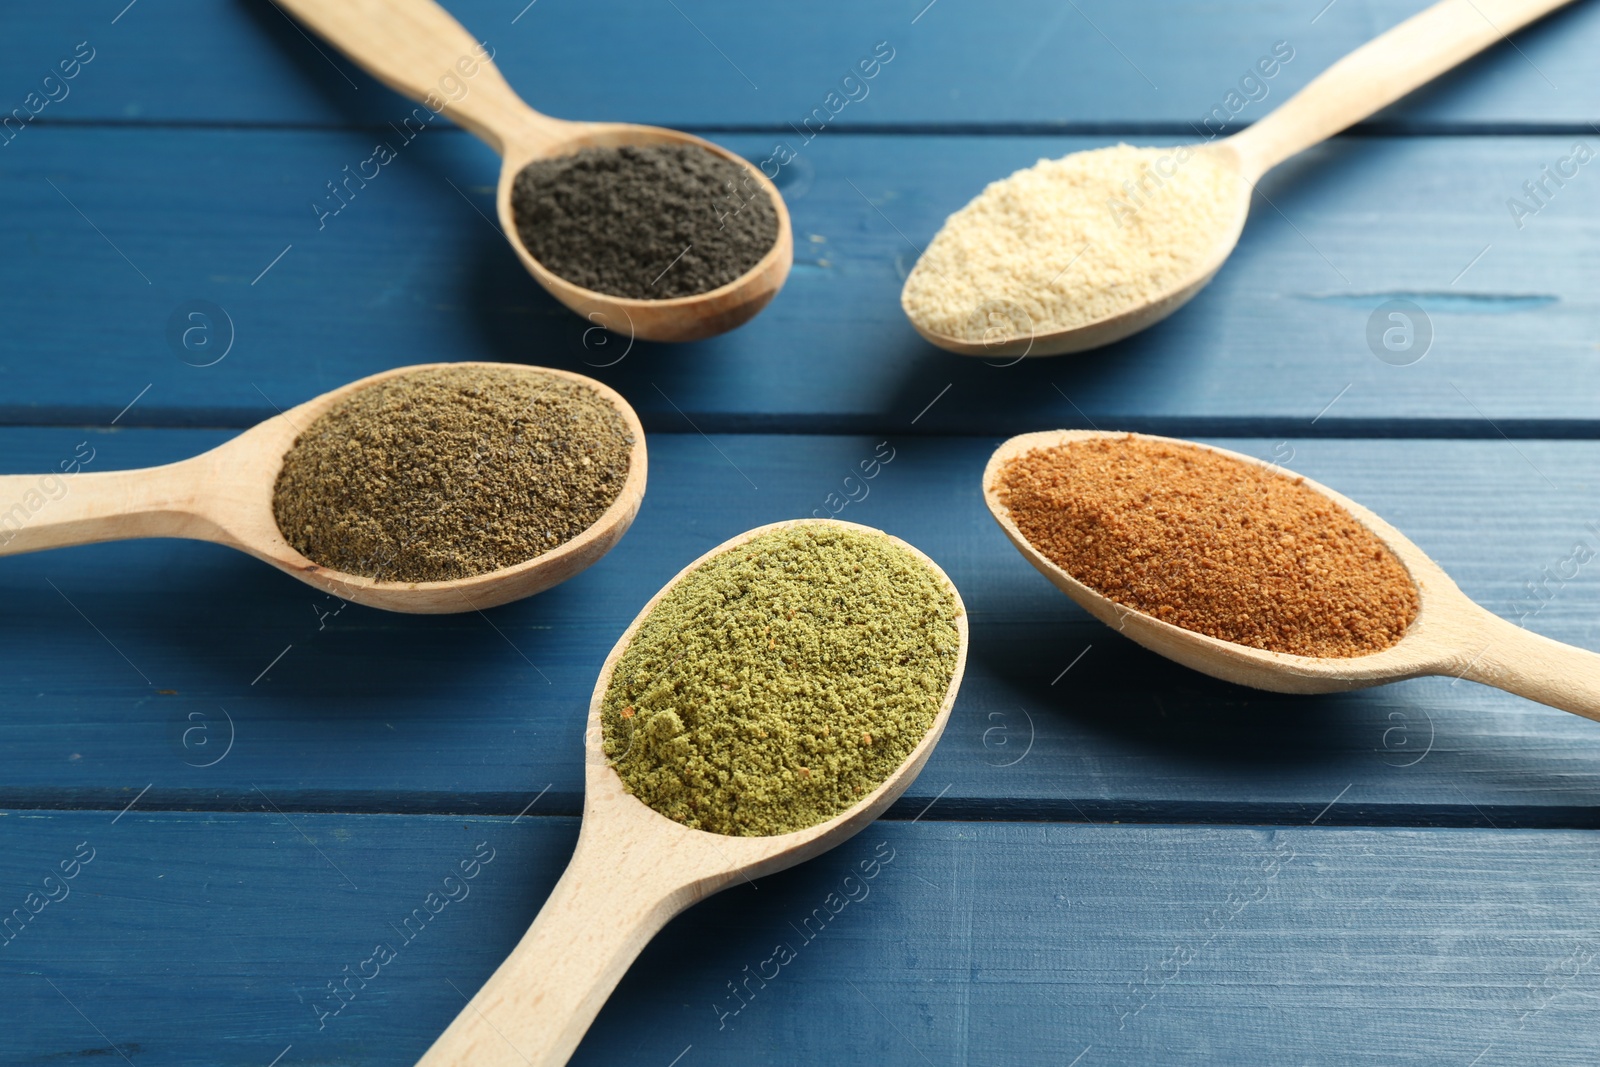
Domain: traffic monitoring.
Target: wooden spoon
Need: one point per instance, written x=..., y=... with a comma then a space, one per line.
x=1372, y=77
x=633, y=870
x=225, y=495
x=1451, y=634
x=415, y=48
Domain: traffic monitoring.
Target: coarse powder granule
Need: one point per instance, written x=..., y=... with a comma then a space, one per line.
x=450, y=472
x=648, y=222
x=1071, y=241
x=1211, y=544
x=780, y=682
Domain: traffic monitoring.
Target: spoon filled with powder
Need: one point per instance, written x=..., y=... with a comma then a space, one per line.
x=1236, y=568
x=1074, y=253
x=436, y=488
x=646, y=231
x=772, y=700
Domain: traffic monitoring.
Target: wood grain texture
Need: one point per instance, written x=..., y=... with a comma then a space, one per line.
x=192, y=161
x=1107, y=63
x=210, y=939
x=1123, y=734
x=412, y=271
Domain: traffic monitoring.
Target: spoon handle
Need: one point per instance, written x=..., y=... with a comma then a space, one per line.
x=1382, y=71
x=538, y=1004
x=417, y=49
x=39, y=511
x=1535, y=667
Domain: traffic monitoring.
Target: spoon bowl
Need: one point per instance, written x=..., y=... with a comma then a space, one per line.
x=633, y=870
x=226, y=496
x=1451, y=634
x=682, y=318
x=417, y=49
x=1129, y=321
x=1373, y=76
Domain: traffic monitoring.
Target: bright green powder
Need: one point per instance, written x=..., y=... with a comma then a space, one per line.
x=779, y=683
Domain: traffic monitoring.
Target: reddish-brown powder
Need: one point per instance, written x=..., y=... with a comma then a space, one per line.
x=1211, y=544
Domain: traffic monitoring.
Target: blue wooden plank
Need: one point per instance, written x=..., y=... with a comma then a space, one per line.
x=707, y=63
x=113, y=234
x=207, y=939
x=137, y=664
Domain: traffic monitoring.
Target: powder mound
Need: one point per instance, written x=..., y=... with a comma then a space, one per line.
x=782, y=681
x=451, y=472
x=1211, y=544
x=1071, y=241
x=648, y=222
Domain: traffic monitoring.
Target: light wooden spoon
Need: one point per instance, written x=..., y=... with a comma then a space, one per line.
x=417, y=49
x=1372, y=77
x=633, y=870
x=225, y=495
x=1451, y=634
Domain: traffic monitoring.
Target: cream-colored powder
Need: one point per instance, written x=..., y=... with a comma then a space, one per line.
x=1071, y=241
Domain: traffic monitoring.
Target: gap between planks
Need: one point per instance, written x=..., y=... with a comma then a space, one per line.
x=1351, y=812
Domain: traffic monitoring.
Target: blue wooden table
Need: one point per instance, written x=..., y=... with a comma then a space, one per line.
x=219, y=791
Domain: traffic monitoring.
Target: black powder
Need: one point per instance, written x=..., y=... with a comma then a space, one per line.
x=648, y=222
x=450, y=472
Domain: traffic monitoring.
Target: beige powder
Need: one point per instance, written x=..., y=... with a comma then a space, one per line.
x=1071, y=241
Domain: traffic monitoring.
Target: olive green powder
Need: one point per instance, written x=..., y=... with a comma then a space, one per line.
x=782, y=681
x=450, y=472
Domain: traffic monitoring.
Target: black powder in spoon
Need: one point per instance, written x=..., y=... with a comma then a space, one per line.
x=450, y=472
x=648, y=222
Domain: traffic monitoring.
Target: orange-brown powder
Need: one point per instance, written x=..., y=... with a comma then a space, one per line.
x=1211, y=544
